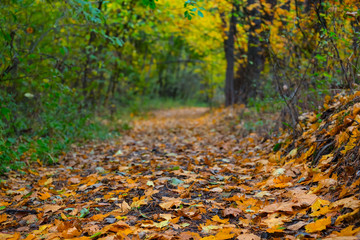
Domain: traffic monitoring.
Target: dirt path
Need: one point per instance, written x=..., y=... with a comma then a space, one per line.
x=181, y=174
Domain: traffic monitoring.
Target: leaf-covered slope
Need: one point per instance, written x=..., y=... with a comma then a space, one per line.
x=185, y=174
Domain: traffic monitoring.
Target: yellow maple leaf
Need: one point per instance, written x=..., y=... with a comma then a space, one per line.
x=138, y=202
x=44, y=196
x=341, y=138
x=219, y=220
x=224, y=234
x=351, y=144
x=318, y=204
x=321, y=211
x=349, y=231
x=318, y=226
x=346, y=216
x=208, y=238
x=253, y=6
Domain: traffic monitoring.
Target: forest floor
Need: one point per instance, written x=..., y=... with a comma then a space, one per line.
x=186, y=174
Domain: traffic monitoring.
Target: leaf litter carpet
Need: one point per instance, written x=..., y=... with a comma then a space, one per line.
x=186, y=174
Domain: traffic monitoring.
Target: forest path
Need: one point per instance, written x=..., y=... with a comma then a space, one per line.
x=180, y=174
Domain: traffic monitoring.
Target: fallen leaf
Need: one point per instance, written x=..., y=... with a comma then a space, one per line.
x=51, y=208
x=44, y=196
x=231, y=211
x=248, y=237
x=318, y=225
x=168, y=203
x=219, y=220
x=296, y=226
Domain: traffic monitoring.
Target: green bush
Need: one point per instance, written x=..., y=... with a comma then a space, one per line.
x=43, y=125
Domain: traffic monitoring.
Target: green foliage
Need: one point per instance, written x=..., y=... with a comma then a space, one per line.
x=61, y=76
x=43, y=126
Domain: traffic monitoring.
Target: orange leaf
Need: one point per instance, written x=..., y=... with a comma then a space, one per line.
x=44, y=196
x=318, y=226
x=99, y=217
x=71, y=233
x=275, y=229
x=224, y=234
x=3, y=218
x=219, y=220
x=349, y=231
x=30, y=237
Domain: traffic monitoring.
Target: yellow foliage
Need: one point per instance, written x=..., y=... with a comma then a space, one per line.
x=318, y=226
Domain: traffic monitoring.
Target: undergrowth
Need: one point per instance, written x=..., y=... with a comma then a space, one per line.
x=43, y=127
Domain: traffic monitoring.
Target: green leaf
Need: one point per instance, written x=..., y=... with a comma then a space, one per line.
x=84, y=212
x=5, y=112
x=96, y=235
x=27, y=195
x=277, y=147
x=200, y=14
x=11, y=140
x=175, y=181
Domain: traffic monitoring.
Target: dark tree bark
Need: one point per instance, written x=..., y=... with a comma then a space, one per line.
x=247, y=79
x=229, y=46
x=248, y=76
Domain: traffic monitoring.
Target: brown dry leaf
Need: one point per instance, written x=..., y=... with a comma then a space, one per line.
x=51, y=208
x=297, y=225
x=149, y=192
x=30, y=219
x=216, y=190
x=115, y=227
x=191, y=213
x=350, y=202
x=248, y=236
x=275, y=220
x=168, y=203
x=231, y=211
x=277, y=207
x=124, y=207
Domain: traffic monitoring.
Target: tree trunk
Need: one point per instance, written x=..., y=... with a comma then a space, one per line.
x=229, y=46
x=247, y=77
